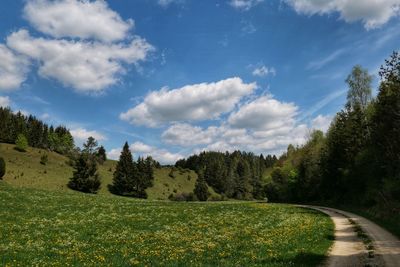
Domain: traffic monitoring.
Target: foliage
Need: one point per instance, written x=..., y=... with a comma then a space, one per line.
x=2, y=167
x=37, y=133
x=236, y=175
x=77, y=229
x=358, y=161
x=132, y=178
x=85, y=176
x=21, y=143
x=201, y=188
x=101, y=155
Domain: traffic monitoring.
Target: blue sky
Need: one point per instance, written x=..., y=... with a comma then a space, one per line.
x=174, y=77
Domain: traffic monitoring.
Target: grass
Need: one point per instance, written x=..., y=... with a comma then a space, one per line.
x=24, y=170
x=47, y=228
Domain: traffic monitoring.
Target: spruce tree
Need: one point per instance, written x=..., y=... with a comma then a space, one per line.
x=2, y=167
x=85, y=176
x=101, y=155
x=201, y=188
x=123, y=178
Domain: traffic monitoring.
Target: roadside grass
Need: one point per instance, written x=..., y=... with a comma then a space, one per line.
x=47, y=228
x=25, y=170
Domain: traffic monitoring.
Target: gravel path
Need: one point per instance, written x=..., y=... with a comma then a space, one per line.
x=349, y=250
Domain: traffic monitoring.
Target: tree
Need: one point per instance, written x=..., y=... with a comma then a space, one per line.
x=85, y=177
x=101, y=155
x=90, y=146
x=21, y=143
x=201, y=188
x=359, y=93
x=2, y=167
x=124, y=177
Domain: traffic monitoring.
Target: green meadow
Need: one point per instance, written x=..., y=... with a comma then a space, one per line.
x=46, y=228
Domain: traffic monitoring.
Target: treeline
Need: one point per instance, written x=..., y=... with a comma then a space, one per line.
x=234, y=175
x=358, y=161
x=37, y=133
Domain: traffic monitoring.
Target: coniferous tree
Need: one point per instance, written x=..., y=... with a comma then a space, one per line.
x=201, y=188
x=2, y=167
x=85, y=177
x=124, y=175
x=101, y=155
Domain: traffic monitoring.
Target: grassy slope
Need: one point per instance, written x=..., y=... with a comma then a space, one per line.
x=54, y=228
x=24, y=170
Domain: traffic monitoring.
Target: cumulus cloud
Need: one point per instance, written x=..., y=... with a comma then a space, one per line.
x=114, y=153
x=77, y=18
x=373, y=13
x=184, y=134
x=189, y=103
x=5, y=101
x=321, y=122
x=263, y=71
x=161, y=155
x=263, y=125
x=244, y=4
x=81, y=135
x=13, y=69
x=264, y=113
x=86, y=66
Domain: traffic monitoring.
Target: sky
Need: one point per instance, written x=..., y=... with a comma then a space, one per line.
x=176, y=77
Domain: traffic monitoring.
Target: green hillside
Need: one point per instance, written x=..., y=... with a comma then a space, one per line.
x=25, y=170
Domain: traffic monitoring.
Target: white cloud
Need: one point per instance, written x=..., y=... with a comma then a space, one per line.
x=264, y=113
x=321, y=123
x=373, y=13
x=86, y=66
x=45, y=116
x=184, y=134
x=81, y=135
x=5, y=101
x=189, y=103
x=263, y=71
x=77, y=18
x=244, y=4
x=13, y=69
x=161, y=155
x=114, y=153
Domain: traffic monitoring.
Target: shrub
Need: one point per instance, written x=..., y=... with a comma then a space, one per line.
x=2, y=168
x=21, y=144
x=182, y=197
x=44, y=159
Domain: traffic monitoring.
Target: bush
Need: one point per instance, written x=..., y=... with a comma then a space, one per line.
x=182, y=197
x=44, y=159
x=2, y=168
x=21, y=144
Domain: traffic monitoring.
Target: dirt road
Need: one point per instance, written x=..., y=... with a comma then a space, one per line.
x=349, y=250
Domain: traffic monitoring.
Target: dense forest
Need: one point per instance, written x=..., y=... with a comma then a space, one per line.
x=236, y=175
x=38, y=134
x=357, y=162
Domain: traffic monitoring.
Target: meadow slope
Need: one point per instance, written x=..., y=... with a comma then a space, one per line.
x=24, y=170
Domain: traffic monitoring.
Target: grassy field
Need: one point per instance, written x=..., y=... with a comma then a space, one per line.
x=24, y=170
x=45, y=228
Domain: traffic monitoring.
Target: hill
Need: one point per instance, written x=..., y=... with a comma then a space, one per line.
x=25, y=170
